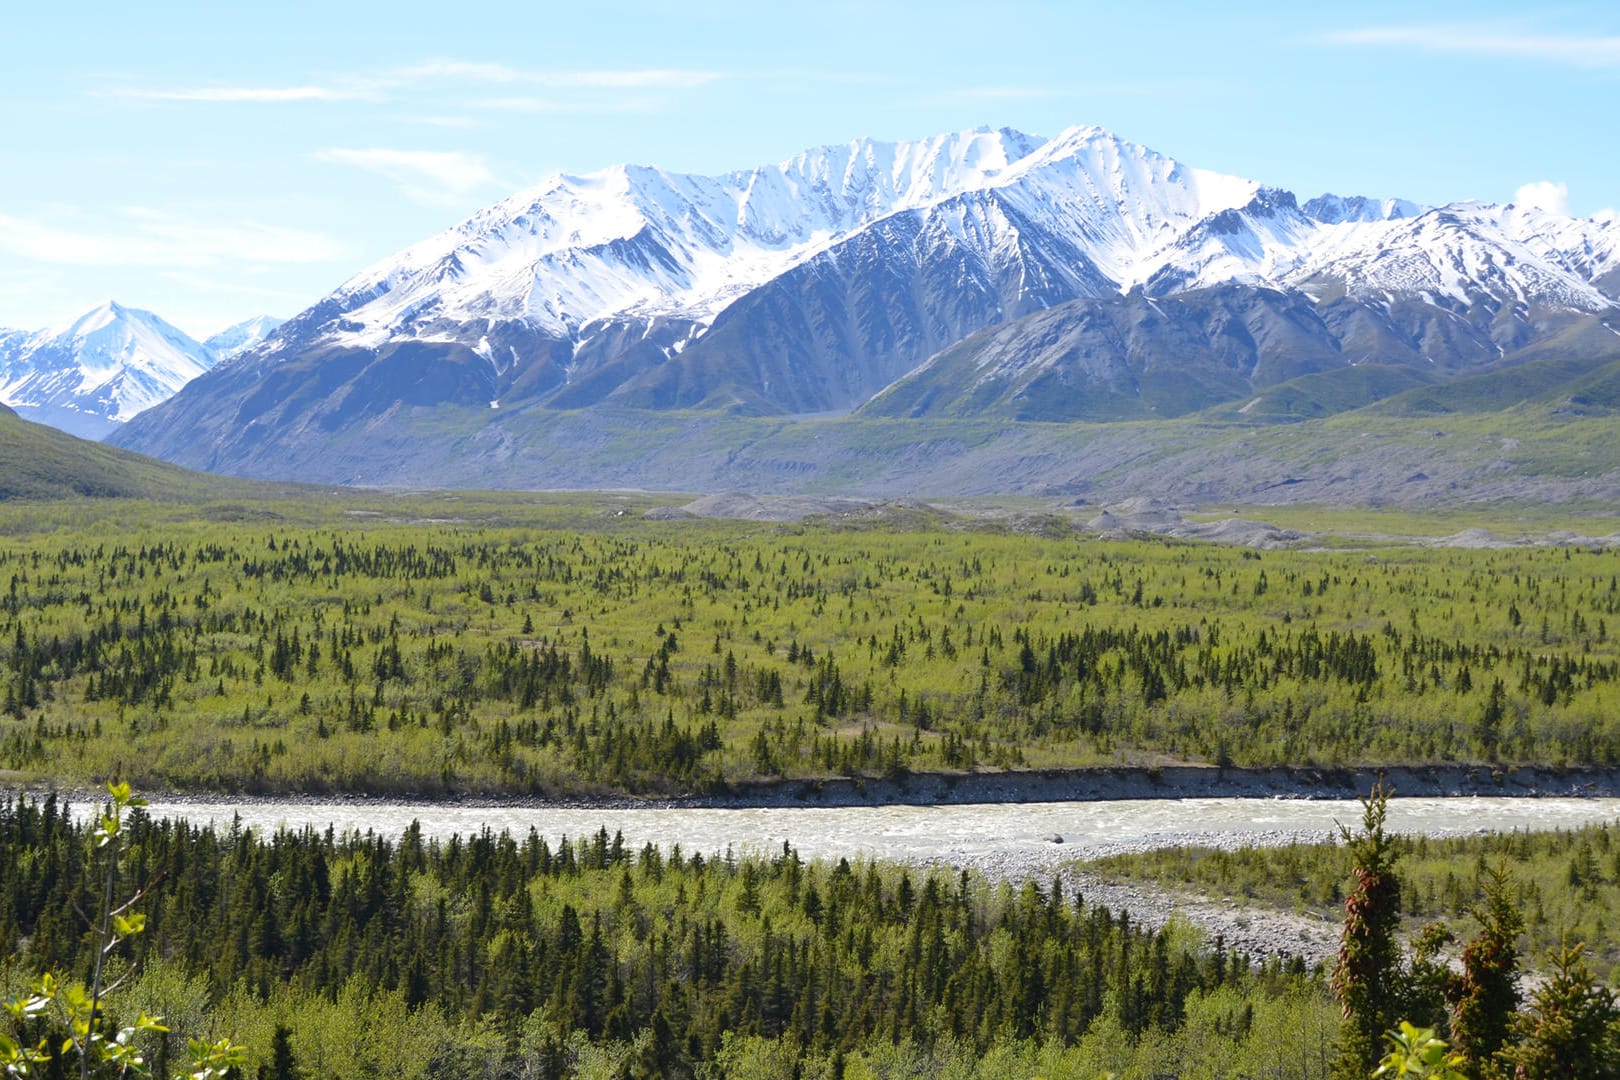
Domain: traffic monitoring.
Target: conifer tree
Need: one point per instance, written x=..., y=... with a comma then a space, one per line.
x=1366, y=976
x=1572, y=1030
x=1486, y=994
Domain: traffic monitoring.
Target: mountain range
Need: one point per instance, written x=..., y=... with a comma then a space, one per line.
x=108, y=365
x=987, y=275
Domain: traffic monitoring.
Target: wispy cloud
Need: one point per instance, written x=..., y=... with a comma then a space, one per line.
x=447, y=70
x=260, y=94
x=156, y=239
x=405, y=83
x=432, y=176
x=654, y=79
x=1487, y=39
x=1544, y=195
x=501, y=74
x=560, y=106
x=441, y=121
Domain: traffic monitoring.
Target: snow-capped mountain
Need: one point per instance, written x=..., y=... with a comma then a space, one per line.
x=98, y=371
x=233, y=341
x=642, y=243
x=109, y=364
x=811, y=285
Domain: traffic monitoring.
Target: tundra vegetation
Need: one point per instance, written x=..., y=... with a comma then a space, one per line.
x=565, y=647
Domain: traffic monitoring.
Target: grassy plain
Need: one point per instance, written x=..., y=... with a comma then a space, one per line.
x=567, y=645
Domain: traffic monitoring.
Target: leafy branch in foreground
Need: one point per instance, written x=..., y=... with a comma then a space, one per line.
x=1418, y=1052
x=71, y=1017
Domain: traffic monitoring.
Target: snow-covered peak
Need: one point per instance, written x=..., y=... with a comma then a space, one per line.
x=641, y=244
x=636, y=239
x=1332, y=209
x=100, y=317
x=872, y=178
x=1123, y=175
x=1129, y=204
x=1457, y=253
x=238, y=339
x=110, y=337
x=109, y=363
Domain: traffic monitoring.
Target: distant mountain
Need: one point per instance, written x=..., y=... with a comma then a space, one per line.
x=983, y=273
x=108, y=365
x=98, y=371
x=233, y=341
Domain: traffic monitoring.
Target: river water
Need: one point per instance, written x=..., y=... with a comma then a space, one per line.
x=983, y=836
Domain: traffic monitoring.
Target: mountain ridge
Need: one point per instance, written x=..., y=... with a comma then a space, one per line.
x=819, y=284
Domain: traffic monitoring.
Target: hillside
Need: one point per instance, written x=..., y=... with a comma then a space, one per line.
x=40, y=462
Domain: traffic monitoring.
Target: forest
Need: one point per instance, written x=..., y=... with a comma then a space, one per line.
x=576, y=654
x=563, y=650
x=494, y=955
x=305, y=954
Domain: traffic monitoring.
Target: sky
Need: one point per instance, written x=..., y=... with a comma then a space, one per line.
x=212, y=161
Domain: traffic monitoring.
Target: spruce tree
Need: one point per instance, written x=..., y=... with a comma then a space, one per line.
x=1486, y=994
x=1366, y=979
x=1572, y=1031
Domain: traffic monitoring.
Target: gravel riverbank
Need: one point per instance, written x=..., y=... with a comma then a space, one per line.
x=1259, y=932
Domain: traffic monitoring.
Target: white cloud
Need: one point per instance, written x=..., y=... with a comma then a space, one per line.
x=1489, y=39
x=263, y=94
x=433, y=176
x=160, y=240
x=1544, y=195
x=664, y=79
x=463, y=70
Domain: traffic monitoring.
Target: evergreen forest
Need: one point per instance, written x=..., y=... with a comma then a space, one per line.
x=561, y=651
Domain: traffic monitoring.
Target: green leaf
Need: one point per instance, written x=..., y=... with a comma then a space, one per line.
x=128, y=925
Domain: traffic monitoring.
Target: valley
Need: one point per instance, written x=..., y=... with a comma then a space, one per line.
x=588, y=645
x=627, y=782
x=920, y=608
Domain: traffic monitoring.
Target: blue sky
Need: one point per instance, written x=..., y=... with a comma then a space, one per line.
x=214, y=161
